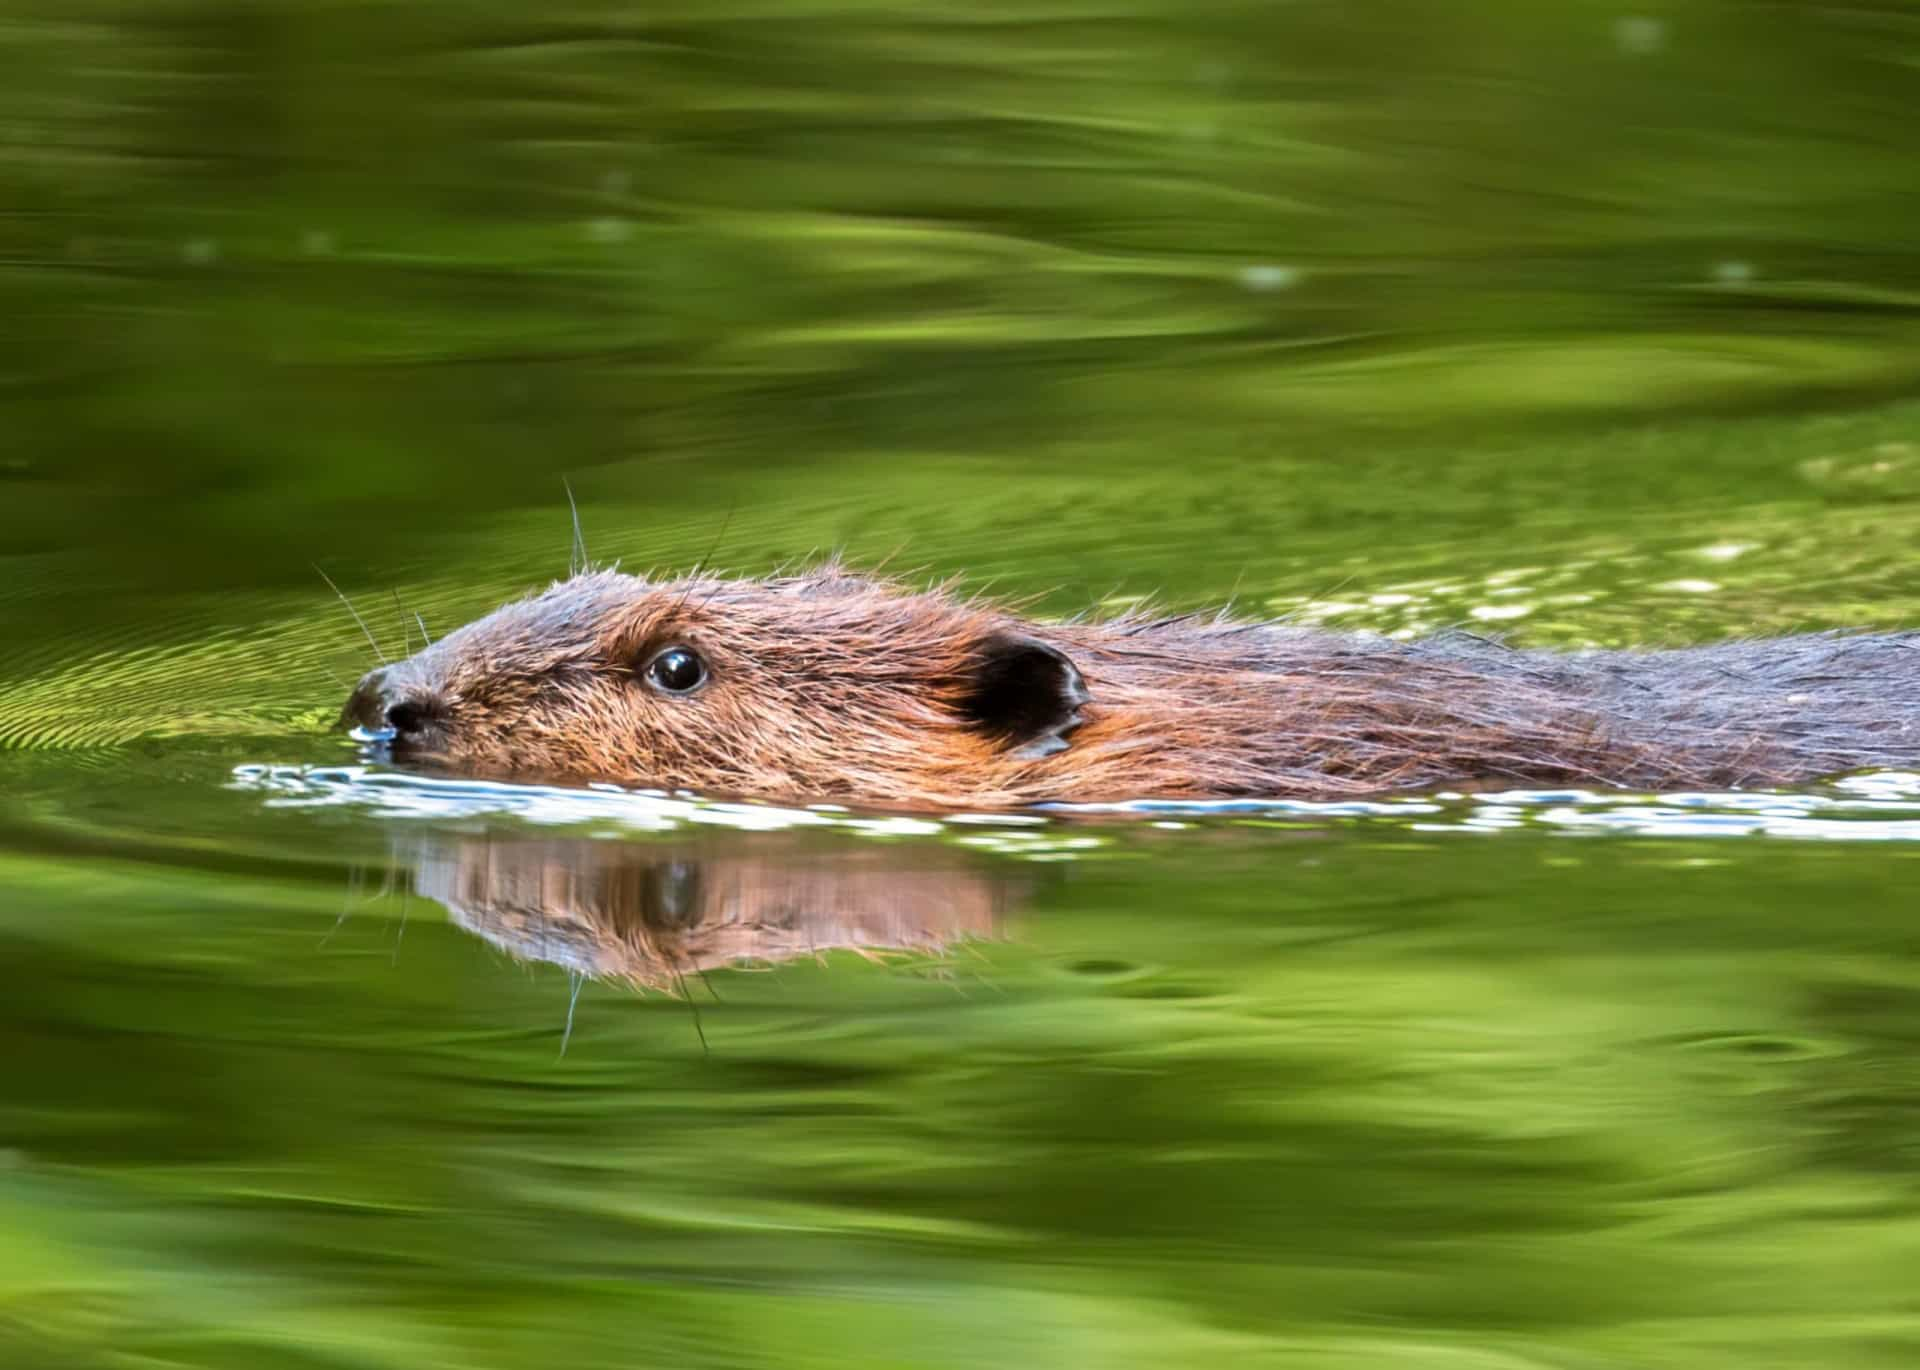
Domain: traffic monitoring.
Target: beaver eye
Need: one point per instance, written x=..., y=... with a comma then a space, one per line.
x=677, y=671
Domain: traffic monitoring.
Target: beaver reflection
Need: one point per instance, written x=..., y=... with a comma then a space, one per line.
x=650, y=913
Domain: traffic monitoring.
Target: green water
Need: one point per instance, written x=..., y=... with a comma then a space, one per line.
x=1578, y=322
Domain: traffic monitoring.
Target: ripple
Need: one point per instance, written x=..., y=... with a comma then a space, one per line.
x=612, y=809
x=1880, y=806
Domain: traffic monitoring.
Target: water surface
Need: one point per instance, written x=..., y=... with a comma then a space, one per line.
x=1577, y=323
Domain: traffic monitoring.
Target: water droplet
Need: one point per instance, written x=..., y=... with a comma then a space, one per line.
x=1727, y=551
x=1733, y=272
x=1689, y=587
x=200, y=251
x=609, y=230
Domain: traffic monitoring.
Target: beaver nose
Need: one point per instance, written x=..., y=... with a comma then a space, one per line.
x=379, y=706
x=367, y=706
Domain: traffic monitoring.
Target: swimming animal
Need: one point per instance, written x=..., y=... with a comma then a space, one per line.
x=834, y=685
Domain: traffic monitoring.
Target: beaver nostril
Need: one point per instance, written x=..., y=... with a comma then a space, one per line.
x=406, y=716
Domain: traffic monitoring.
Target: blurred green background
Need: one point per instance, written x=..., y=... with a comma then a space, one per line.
x=1155, y=298
x=1589, y=322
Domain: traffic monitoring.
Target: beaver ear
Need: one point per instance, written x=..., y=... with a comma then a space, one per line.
x=1026, y=693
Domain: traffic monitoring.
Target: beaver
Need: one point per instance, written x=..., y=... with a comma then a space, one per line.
x=829, y=684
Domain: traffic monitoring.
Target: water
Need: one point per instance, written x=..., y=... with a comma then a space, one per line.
x=1582, y=323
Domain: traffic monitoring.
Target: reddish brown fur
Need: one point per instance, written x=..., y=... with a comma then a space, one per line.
x=831, y=685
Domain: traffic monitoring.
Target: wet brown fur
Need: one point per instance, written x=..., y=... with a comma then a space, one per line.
x=834, y=685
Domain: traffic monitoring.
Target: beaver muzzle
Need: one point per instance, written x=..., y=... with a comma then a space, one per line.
x=392, y=713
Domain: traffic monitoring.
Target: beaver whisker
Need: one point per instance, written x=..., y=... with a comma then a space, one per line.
x=406, y=635
x=1332, y=589
x=351, y=610
x=406, y=611
x=577, y=563
x=713, y=548
x=699, y=567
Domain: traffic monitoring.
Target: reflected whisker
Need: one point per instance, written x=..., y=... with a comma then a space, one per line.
x=346, y=905
x=573, y=1001
x=693, y=1007
x=406, y=903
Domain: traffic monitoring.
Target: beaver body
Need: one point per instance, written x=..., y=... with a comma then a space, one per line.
x=833, y=685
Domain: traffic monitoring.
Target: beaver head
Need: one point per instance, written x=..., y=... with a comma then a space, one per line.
x=818, y=684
